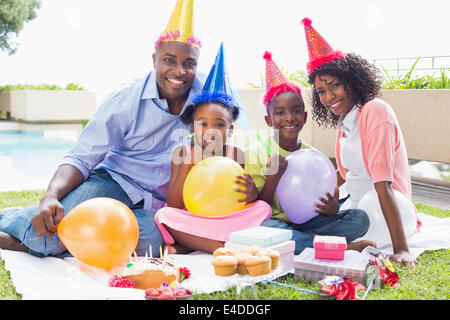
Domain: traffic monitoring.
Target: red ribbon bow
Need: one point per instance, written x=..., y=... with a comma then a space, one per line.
x=387, y=274
x=345, y=290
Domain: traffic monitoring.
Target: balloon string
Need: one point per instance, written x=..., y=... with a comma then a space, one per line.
x=297, y=288
x=369, y=287
x=25, y=234
x=45, y=238
x=269, y=152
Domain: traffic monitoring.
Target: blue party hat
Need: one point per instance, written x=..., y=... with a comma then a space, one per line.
x=218, y=87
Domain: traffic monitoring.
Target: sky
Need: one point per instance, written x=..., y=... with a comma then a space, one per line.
x=101, y=44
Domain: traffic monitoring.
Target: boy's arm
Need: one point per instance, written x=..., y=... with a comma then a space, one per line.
x=276, y=166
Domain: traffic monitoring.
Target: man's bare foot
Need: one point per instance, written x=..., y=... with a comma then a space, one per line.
x=360, y=245
x=8, y=242
x=177, y=249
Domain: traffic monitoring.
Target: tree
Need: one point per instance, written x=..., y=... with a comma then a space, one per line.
x=13, y=15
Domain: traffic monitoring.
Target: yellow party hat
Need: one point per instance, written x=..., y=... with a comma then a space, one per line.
x=180, y=27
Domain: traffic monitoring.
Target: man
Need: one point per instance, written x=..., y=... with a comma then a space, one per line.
x=123, y=153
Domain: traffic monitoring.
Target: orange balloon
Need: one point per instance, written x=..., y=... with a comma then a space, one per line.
x=100, y=232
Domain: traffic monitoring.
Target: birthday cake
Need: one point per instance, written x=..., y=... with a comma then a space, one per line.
x=151, y=272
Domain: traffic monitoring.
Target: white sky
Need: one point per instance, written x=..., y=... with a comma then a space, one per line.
x=100, y=44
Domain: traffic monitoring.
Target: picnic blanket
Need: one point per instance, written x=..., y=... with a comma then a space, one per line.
x=68, y=278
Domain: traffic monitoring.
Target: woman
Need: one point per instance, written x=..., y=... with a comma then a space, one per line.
x=370, y=150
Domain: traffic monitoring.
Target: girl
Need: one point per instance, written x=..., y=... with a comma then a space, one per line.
x=370, y=151
x=286, y=115
x=211, y=120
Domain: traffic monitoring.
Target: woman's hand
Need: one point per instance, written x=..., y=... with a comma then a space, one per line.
x=393, y=219
x=403, y=257
x=330, y=205
x=250, y=191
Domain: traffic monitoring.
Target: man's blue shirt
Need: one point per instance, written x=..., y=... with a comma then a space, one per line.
x=132, y=135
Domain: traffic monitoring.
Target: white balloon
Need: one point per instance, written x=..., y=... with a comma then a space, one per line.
x=378, y=229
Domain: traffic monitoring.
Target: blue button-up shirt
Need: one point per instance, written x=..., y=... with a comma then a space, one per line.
x=132, y=135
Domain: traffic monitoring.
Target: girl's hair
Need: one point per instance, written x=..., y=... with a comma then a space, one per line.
x=361, y=79
x=187, y=117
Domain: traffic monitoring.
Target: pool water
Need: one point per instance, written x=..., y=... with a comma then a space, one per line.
x=28, y=159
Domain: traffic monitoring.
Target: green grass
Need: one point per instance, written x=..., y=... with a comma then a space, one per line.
x=428, y=281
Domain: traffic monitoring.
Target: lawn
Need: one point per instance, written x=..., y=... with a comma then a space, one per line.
x=428, y=281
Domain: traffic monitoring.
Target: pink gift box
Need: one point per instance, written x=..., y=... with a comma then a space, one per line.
x=329, y=247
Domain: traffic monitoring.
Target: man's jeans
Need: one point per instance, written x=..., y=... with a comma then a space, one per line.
x=351, y=224
x=17, y=221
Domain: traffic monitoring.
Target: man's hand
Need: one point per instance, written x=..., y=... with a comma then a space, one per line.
x=48, y=216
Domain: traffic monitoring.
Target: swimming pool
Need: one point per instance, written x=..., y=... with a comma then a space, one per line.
x=28, y=159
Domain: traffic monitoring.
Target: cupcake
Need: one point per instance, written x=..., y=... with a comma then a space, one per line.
x=223, y=252
x=225, y=265
x=258, y=265
x=242, y=259
x=272, y=254
x=252, y=249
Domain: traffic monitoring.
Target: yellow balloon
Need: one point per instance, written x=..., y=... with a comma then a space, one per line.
x=209, y=187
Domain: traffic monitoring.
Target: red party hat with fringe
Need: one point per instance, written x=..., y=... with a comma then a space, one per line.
x=319, y=50
x=276, y=81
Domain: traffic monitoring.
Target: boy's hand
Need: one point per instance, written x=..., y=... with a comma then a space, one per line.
x=276, y=164
x=250, y=191
x=330, y=205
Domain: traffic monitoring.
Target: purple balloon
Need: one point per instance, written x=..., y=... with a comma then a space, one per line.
x=308, y=176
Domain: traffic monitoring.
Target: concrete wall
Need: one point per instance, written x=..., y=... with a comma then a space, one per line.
x=424, y=117
x=49, y=105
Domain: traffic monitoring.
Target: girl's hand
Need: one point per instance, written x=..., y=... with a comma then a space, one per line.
x=330, y=205
x=250, y=190
x=194, y=156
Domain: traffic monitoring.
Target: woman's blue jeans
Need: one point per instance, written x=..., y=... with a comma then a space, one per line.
x=17, y=222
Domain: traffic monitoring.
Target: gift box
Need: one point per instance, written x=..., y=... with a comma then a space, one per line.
x=353, y=265
x=329, y=247
x=260, y=236
x=286, y=250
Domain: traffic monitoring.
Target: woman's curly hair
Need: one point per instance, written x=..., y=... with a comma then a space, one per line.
x=360, y=77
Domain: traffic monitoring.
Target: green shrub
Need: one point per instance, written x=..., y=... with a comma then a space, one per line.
x=43, y=86
x=408, y=82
